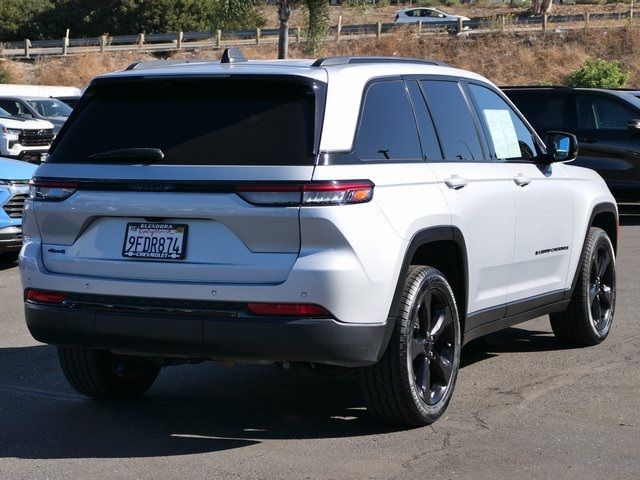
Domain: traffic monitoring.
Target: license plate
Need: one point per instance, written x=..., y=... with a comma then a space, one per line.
x=155, y=241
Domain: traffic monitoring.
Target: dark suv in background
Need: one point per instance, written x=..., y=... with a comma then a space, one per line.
x=606, y=123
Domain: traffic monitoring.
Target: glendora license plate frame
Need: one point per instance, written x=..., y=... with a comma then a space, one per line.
x=155, y=255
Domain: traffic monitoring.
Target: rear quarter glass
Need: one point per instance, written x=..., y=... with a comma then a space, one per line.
x=198, y=121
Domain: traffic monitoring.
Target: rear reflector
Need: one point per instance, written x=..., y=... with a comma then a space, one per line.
x=307, y=194
x=42, y=296
x=287, y=309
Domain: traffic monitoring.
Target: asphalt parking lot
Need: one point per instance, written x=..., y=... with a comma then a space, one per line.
x=524, y=407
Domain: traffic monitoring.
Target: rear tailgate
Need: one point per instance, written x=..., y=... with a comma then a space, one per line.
x=215, y=137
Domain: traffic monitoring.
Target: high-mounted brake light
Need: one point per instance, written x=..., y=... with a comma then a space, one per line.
x=44, y=296
x=51, y=190
x=287, y=309
x=307, y=194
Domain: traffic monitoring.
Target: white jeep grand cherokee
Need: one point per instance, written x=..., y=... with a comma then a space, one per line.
x=361, y=212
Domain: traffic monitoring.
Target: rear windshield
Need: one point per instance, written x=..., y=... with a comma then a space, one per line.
x=239, y=121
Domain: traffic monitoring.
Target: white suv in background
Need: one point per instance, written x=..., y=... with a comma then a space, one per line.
x=360, y=212
x=25, y=139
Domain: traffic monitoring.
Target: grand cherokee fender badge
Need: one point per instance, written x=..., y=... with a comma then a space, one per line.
x=551, y=250
x=57, y=250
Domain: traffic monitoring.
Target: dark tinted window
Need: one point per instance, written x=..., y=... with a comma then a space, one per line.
x=428, y=138
x=509, y=136
x=387, y=127
x=453, y=120
x=597, y=113
x=546, y=110
x=11, y=106
x=197, y=122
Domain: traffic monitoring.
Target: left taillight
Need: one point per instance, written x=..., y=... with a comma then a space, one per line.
x=51, y=190
x=45, y=296
x=308, y=194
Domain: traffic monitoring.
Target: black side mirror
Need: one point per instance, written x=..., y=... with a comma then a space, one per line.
x=634, y=125
x=561, y=147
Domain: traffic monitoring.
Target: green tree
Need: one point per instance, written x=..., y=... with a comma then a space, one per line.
x=236, y=15
x=18, y=18
x=89, y=18
x=318, y=24
x=595, y=73
x=122, y=17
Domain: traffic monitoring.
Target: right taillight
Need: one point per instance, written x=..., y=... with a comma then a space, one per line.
x=308, y=194
x=51, y=190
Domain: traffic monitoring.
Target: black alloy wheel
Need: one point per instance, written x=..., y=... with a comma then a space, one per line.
x=414, y=380
x=601, y=288
x=588, y=318
x=431, y=355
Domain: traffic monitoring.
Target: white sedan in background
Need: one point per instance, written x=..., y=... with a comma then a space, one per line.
x=426, y=15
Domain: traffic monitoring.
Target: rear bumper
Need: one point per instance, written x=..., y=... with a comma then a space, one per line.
x=10, y=239
x=221, y=335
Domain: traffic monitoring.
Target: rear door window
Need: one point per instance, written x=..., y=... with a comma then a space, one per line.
x=197, y=121
x=387, y=128
x=601, y=113
x=453, y=120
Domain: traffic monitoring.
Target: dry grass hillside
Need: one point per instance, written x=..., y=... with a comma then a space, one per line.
x=503, y=58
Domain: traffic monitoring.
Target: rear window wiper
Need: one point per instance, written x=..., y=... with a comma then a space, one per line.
x=143, y=154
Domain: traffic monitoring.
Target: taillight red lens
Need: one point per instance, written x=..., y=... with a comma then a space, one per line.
x=281, y=195
x=43, y=296
x=337, y=193
x=51, y=190
x=308, y=194
x=287, y=309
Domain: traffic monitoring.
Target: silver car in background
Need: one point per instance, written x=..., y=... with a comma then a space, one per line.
x=427, y=15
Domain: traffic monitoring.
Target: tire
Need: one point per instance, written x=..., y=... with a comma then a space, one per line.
x=414, y=380
x=588, y=318
x=101, y=374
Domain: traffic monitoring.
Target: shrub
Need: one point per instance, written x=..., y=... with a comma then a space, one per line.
x=595, y=73
x=5, y=75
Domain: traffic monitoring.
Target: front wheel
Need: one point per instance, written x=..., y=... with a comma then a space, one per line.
x=413, y=382
x=588, y=318
x=101, y=374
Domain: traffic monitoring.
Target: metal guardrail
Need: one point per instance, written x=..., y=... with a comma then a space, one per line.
x=157, y=42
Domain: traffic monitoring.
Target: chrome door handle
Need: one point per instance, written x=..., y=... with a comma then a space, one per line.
x=455, y=182
x=521, y=180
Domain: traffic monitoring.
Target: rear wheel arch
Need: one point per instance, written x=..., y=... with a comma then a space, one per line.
x=441, y=247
